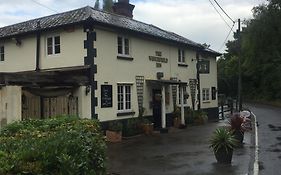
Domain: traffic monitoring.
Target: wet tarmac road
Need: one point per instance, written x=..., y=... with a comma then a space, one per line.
x=181, y=152
x=269, y=133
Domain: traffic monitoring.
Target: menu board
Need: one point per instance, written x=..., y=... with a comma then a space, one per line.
x=106, y=96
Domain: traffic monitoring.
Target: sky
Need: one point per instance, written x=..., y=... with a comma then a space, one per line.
x=194, y=19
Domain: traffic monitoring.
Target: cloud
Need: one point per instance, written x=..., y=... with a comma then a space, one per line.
x=193, y=19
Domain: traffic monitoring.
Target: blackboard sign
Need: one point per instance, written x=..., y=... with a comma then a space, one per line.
x=106, y=96
x=204, y=67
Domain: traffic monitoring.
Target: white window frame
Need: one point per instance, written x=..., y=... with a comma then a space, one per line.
x=125, y=100
x=2, y=54
x=179, y=95
x=53, y=45
x=181, y=56
x=123, y=39
x=206, y=94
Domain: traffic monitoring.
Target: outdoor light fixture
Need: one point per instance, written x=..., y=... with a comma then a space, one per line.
x=18, y=41
x=88, y=89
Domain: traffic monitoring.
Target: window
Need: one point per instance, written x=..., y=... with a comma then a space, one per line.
x=53, y=45
x=206, y=94
x=123, y=46
x=124, y=98
x=2, y=58
x=184, y=96
x=181, y=56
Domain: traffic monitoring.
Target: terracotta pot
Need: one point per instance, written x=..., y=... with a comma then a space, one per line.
x=177, y=122
x=113, y=136
x=223, y=156
x=148, y=129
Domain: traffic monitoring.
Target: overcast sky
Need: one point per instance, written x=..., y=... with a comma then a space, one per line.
x=194, y=19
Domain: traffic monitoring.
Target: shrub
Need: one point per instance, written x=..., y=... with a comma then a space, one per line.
x=65, y=145
x=132, y=127
x=115, y=125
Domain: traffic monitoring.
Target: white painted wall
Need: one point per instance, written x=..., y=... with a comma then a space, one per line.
x=84, y=102
x=10, y=101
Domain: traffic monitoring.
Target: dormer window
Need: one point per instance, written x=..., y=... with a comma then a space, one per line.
x=53, y=45
x=123, y=46
x=2, y=54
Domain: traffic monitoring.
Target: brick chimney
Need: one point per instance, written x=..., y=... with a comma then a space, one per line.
x=123, y=7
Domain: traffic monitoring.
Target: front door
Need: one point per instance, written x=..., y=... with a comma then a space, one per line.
x=157, y=108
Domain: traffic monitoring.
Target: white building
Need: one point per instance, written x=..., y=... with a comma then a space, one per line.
x=96, y=64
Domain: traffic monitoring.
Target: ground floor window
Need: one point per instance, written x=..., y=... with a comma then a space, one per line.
x=206, y=94
x=124, y=97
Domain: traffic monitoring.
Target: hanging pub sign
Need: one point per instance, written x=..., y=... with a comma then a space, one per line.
x=204, y=67
x=106, y=96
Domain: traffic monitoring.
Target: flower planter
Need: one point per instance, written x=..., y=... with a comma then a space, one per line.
x=177, y=122
x=239, y=135
x=148, y=128
x=223, y=156
x=113, y=136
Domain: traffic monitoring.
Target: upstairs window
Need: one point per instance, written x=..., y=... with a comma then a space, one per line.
x=2, y=58
x=53, y=45
x=206, y=94
x=123, y=45
x=181, y=56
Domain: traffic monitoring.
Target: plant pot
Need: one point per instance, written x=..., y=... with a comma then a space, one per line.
x=113, y=136
x=148, y=128
x=239, y=135
x=223, y=156
x=177, y=122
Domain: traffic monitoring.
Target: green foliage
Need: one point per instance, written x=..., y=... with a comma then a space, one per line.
x=132, y=127
x=65, y=145
x=260, y=56
x=223, y=139
x=97, y=4
x=115, y=126
x=107, y=5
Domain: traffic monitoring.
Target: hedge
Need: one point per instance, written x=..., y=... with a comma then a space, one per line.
x=58, y=146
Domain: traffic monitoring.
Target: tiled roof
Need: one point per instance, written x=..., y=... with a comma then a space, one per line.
x=82, y=14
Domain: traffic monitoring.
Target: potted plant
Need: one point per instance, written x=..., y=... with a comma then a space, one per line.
x=147, y=126
x=114, y=132
x=236, y=125
x=223, y=142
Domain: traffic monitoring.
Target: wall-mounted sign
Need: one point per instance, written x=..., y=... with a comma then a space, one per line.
x=158, y=59
x=204, y=67
x=106, y=96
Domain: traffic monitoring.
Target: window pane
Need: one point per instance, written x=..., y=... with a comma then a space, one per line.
x=57, y=49
x=2, y=57
x=126, y=46
x=57, y=40
x=2, y=49
x=120, y=48
x=50, y=50
x=183, y=56
x=179, y=55
x=49, y=42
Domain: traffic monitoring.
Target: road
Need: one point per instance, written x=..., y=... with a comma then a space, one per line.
x=269, y=135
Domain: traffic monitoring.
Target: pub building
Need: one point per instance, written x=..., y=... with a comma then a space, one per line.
x=104, y=66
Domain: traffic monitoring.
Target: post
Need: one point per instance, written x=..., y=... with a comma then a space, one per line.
x=198, y=82
x=182, y=106
x=239, y=68
x=163, y=113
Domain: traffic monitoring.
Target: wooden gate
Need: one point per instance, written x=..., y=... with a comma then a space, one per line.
x=56, y=106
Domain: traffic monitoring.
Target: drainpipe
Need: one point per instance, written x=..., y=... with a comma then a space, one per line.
x=198, y=82
x=38, y=38
x=163, y=108
x=182, y=106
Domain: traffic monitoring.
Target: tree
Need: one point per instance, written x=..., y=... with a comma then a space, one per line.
x=97, y=4
x=260, y=55
x=107, y=5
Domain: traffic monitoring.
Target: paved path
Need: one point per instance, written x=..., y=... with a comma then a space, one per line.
x=269, y=133
x=178, y=153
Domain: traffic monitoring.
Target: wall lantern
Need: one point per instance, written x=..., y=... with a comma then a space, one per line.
x=88, y=89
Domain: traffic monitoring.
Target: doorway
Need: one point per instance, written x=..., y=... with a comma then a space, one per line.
x=157, y=108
